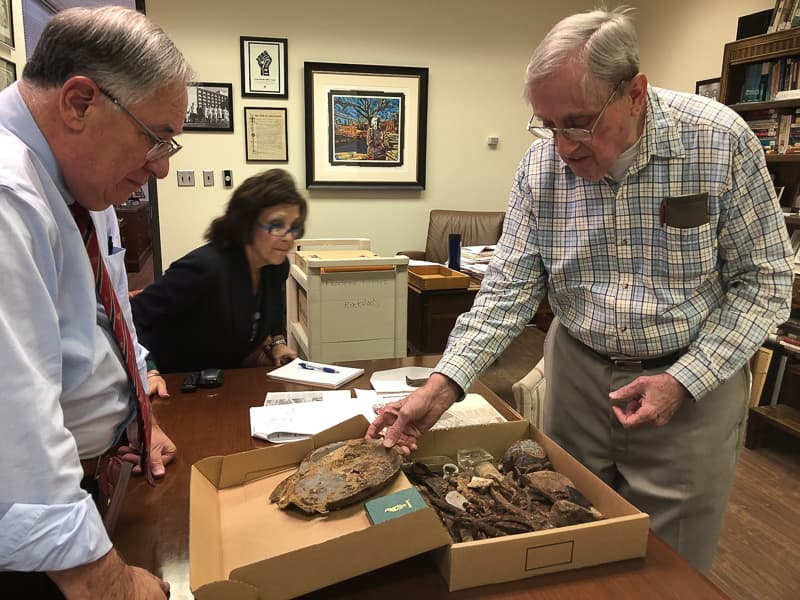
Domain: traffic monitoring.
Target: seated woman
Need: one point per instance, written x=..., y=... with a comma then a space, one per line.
x=224, y=304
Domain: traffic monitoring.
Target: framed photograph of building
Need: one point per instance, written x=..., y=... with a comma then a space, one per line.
x=366, y=126
x=6, y=23
x=264, y=63
x=708, y=88
x=8, y=73
x=210, y=107
x=265, y=133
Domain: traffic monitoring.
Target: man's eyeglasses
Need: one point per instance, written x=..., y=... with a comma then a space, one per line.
x=281, y=230
x=573, y=134
x=161, y=148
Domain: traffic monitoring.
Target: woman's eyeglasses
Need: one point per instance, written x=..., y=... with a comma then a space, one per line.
x=281, y=230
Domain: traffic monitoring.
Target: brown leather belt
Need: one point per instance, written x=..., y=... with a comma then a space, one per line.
x=625, y=363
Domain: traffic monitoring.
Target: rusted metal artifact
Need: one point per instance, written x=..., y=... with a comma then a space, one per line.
x=337, y=475
x=480, y=500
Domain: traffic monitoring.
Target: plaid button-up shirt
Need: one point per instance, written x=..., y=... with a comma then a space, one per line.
x=624, y=280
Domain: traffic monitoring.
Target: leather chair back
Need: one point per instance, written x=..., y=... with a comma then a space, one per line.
x=476, y=228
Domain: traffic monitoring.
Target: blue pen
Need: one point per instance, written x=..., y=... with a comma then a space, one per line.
x=310, y=367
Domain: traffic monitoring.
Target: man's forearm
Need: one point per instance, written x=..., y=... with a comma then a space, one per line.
x=108, y=577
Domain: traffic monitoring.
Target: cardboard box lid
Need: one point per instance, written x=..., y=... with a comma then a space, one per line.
x=236, y=533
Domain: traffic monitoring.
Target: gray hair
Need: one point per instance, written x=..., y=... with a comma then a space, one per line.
x=605, y=40
x=120, y=49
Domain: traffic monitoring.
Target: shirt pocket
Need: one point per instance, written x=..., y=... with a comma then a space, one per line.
x=115, y=265
x=689, y=255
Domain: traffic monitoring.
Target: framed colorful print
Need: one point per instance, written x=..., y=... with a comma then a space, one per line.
x=366, y=126
x=210, y=107
x=6, y=23
x=264, y=63
x=265, y=133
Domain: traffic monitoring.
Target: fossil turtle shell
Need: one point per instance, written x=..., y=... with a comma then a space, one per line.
x=337, y=475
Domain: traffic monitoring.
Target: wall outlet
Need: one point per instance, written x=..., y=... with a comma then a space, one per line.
x=208, y=177
x=185, y=178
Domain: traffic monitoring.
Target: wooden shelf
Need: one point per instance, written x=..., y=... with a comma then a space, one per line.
x=783, y=158
x=743, y=107
x=781, y=416
x=793, y=220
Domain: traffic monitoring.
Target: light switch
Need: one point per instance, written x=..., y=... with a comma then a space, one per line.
x=208, y=177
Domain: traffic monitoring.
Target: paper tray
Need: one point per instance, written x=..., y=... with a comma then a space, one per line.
x=436, y=277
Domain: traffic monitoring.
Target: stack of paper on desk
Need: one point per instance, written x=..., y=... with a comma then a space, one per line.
x=300, y=420
x=318, y=374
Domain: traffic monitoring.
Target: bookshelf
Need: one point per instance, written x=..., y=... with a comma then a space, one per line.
x=780, y=52
x=775, y=58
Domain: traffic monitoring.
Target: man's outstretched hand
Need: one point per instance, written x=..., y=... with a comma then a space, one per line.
x=408, y=419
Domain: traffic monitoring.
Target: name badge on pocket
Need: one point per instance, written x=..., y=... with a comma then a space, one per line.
x=685, y=212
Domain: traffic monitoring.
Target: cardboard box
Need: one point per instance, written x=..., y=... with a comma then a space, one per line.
x=621, y=535
x=236, y=533
x=436, y=277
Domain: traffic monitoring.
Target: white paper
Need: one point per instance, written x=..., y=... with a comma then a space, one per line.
x=276, y=398
x=394, y=380
x=295, y=373
x=291, y=422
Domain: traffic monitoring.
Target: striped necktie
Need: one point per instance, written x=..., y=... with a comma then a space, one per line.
x=108, y=297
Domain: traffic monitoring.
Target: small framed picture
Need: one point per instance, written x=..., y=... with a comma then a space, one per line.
x=8, y=73
x=708, y=88
x=265, y=133
x=6, y=23
x=210, y=107
x=264, y=63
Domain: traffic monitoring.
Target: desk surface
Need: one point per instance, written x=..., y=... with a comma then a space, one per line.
x=153, y=528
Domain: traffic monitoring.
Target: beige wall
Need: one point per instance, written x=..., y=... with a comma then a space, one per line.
x=476, y=52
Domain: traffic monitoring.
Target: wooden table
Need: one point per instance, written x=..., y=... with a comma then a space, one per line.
x=153, y=528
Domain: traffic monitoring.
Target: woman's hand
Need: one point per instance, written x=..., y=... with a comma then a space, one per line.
x=282, y=354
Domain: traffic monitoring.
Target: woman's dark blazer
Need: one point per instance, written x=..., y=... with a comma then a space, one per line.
x=200, y=314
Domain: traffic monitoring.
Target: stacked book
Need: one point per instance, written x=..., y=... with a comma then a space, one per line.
x=770, y=80
x=764, y=124
x=794, y=133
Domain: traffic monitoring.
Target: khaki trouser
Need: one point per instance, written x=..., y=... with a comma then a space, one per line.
x=681, y=474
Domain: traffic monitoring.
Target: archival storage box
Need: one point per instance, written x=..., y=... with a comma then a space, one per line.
x=236, y=534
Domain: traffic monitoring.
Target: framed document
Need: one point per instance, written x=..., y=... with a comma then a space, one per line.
x=8, y=73
x=264, y=67
x=6, y=23
x=265, y=134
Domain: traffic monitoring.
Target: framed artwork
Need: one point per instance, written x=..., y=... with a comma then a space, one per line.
x=8, y=73
x=708, y=88
x=6, y=23
x=265, y=134
x=366, y=126
x=264, y=67
x=210, y=107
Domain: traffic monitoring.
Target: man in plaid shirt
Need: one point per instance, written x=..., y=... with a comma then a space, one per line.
x=650, y=218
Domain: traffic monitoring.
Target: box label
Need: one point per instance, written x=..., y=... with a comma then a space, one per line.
x=549, y=555
x=394, y=505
